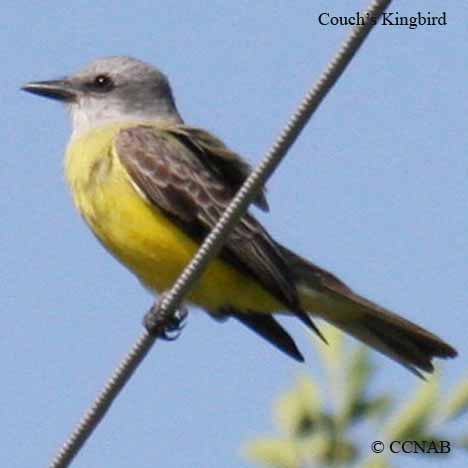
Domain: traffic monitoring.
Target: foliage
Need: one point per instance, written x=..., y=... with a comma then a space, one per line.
x=317, y=432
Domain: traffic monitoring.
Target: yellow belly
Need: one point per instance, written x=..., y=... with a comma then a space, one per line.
x=141, y=236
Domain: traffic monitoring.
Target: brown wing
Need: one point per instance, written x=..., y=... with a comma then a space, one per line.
x=219, y=159
x=171, y=167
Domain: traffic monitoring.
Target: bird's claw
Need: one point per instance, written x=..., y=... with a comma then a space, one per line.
x=174, y=325
x=163, y=325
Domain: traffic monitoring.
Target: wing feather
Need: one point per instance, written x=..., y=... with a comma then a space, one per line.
x=194, y=187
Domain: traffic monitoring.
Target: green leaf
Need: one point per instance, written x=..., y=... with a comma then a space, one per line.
x=275, y=453
x=315, y=450
x=376, y=407
x=343, y=453
x=358, y=372
x=331, y=353
x=414, y=416
x=297, y=412
x=377, y=461
x=457, y=402
x=326, y=451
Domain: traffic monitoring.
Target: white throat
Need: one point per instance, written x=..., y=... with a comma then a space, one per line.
x=85, y=116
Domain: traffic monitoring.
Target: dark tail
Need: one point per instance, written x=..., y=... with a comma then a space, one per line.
x=324, y=295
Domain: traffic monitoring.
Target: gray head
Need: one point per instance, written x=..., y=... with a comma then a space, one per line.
x=112, y=89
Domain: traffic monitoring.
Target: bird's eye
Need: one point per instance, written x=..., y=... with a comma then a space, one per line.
x=102, y=84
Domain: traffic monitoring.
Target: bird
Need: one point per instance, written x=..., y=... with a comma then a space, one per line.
x=151, y=188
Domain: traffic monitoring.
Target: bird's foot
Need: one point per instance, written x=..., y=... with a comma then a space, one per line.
x=167, y=326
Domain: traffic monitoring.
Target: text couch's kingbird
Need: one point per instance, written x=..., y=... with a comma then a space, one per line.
x=151, y=188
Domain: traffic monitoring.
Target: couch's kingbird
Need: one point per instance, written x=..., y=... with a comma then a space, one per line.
x=151, y=188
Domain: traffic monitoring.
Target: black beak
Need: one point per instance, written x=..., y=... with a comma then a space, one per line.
x=62, y=90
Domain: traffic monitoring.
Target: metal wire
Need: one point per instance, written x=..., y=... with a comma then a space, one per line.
x=172, y=300
x=213, y=242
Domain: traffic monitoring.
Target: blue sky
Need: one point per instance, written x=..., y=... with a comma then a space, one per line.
x=375, y=190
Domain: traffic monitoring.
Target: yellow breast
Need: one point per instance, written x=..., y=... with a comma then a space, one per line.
x=140, y=235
